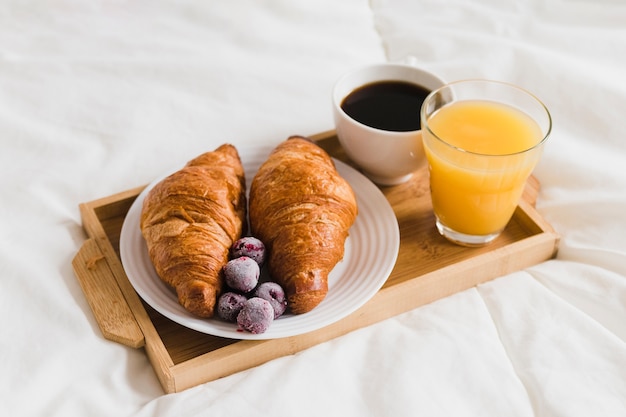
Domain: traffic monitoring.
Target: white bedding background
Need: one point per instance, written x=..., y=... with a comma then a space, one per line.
x=99, y=97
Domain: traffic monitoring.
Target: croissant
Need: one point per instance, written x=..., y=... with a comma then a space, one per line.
x=190, y=220
x=302, y=210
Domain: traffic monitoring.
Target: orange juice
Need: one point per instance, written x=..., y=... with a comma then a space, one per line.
x=479, y=161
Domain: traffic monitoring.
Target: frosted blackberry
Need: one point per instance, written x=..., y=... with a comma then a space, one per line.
x=242, y=274
x=275, y=294
x=251, y=247
x=229, y=305
x=256, y=315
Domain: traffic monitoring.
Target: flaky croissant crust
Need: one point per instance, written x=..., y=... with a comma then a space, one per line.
x=302, y=209
x=190, y=220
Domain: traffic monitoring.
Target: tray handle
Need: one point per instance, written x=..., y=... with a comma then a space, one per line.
x=112, y=313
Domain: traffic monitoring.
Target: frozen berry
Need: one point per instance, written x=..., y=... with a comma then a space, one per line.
x=242, y=274
x=229, y=305
x=251, y=247
x=273, y=293
x=256, y=315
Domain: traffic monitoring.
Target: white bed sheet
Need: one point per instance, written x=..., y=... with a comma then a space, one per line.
x=98, y=97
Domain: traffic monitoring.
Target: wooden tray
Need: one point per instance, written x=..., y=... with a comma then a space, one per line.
x=428, y=268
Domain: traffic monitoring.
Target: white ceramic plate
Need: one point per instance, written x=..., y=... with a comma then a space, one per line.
x=370, y=255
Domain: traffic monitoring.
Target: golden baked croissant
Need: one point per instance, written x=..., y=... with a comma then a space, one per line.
x=190, y=220
x=302, y=210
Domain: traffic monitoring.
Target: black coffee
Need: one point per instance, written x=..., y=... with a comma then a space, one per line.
x=387, y=105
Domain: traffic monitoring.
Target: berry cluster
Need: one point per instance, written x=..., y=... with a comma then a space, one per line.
x=253, y=305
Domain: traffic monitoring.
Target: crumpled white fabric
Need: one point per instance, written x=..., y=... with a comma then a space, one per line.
x=100, y=97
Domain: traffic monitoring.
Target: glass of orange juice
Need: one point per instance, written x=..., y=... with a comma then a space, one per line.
x=482, y=140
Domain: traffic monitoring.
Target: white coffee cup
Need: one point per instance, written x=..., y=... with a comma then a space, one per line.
x=387, y=157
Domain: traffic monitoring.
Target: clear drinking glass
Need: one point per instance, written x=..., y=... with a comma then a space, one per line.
x=482, y=140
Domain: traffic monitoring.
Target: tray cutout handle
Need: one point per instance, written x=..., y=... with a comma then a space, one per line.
x=112, y=313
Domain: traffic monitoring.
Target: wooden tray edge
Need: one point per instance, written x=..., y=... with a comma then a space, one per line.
x=229, y=359
x=152, y=343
